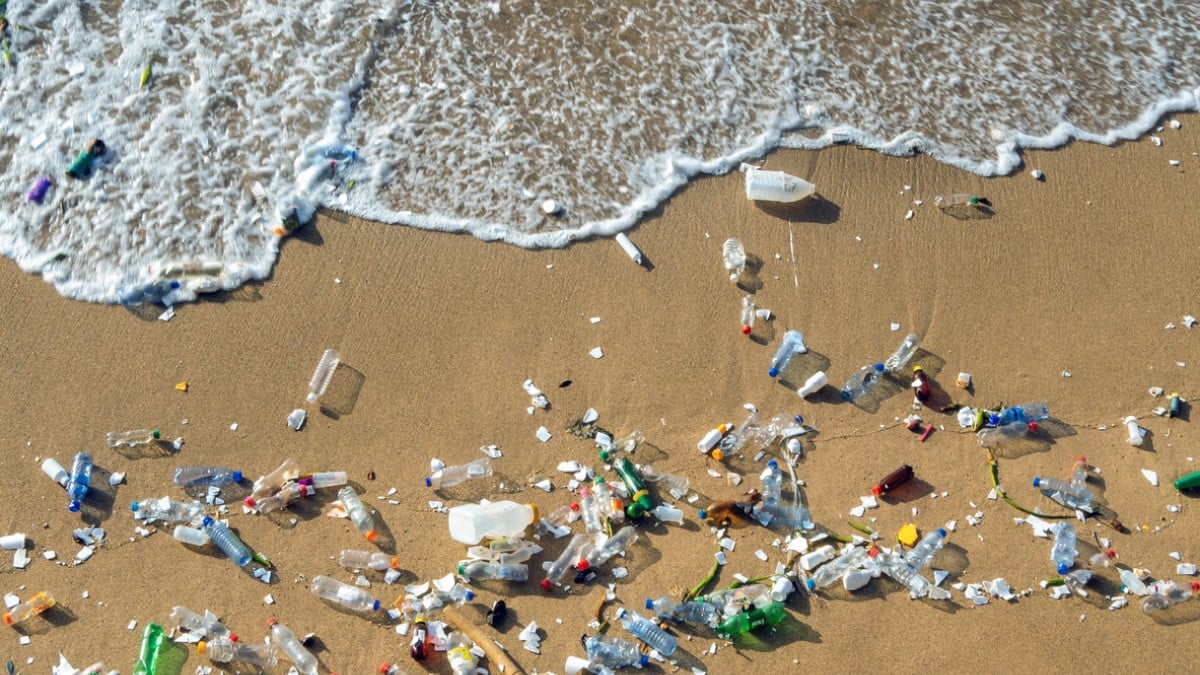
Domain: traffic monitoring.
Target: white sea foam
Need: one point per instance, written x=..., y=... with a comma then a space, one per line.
x=467, y=116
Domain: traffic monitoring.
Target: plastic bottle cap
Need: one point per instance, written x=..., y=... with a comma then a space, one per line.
x=649, y=603
x=703, y=514
x=237, y=476
x=1033, y=427
x=810, y=584
x=583, y=565
x=1037, y=481
x=917, y=369
x=385, y=667
x=133, y=507
x=1081, y=458
x=376, y=607
x=717, y=454
x=233, y=637
x=746, y=330
x=73, y=506
x=201, y=647
x=371, y=535
x=272, y=621
x=249, y=501
x=877, y=490
x=645, y=660
x=879, y=367
x=1062, y=569
x=941, y=531
x=993, y=419
x=773, y=464
x=207, y=521
x=428, y=482
x=470, y=595
x=545, y=584
x=461, y=569
x=773, y=372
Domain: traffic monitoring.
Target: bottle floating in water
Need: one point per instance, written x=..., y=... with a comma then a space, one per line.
x=227, y=541
x=168, y=510
x=350, y=597
x=303, y=659
x=733, y=256
x=154, y=291
x=1062, y=551
x=453, y=475
x=647, y=631
x=133, y=438
x=269, y=484
x=744, y=622
x=190, y=476
x=690, y=611
x=80, y=481
x=959, y=201
x=1073, y=496
x=482, y=570
x=747, y=314
x=27, y=610
x=791, y=344
x=204, y=626
x=363, y=560
x=893, y=480
x=322, y=375
x=610, y=651
x=221, y=649
x=152, y=642
x=359, y=515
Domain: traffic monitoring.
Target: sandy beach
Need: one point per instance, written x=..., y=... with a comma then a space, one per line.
x=1062, y=295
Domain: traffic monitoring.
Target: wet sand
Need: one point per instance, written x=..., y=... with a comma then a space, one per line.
x=1079, y=274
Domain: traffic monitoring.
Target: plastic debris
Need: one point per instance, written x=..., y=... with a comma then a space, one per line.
x=295, y=419
x=543, y=434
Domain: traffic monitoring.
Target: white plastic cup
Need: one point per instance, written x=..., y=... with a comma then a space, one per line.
x=776, y=186
x=13, y=542
x=813, y=384
x=781, y=589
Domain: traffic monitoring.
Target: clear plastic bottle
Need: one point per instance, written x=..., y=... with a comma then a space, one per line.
x=690, y=611
x=325, y=479
x=80, y=481
x=1131, y=582
x=729, y=601
x=610, y=651
x=133, y=438
x=459, y=655
x=168, y=510
x=776, y=186
x=189, y=476
x=555, y=571
x=677, y=486
x=957, y=201
x=894, y=566
x=191, y=535
x=1062, y=551
x=470, y=523
x=322, y=375
x=835, y=569
x=290, y=492
x=1079, y=472
x=359, y=515
x=903, y=353
x=458, y=594
x=204, y=626
x=1028, y=412
x=608, y=505
x=362, y=560
x=744, y=622
x=27, y=610
x=923, y=552
x=303, y=659
x=505, y=551
x=269, y=484
x=482, y=570
x=791, y=344
x=453, y=475
x=350, y=597
x=587, y=509
x=55, y=471
x=733, y=256
x=647, y=631
x=747, y=314
x=991, y=437
x=1164, y=594
x=227, y=541
x=788, y=515
x=618, y=543
x=221, y=649
x=1074, y=496
x=861, y=382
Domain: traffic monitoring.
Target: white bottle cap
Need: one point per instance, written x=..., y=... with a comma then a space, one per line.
x=575, y=664
x=55, y=471
x=12, y=542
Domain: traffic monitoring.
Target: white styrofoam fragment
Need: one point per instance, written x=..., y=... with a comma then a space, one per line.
x=543, y=434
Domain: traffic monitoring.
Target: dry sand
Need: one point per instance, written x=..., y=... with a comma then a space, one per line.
x=1078, y=273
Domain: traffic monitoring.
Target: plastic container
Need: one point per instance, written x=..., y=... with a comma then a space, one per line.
x=639, y=498
x=37, y=193
x=269, y=484
x=1135, y=431
x=733, y=256
x=132, y=439
x=470, y=523
x=1062, y=551
x=223, y=650
x=817, y=557
x=776, y=186
x=287, y=494
x=747, y=314
x=1074, y=496
x=453, y=475
x=957, y=201
x=744, y=622
x=189, y=476
x=80, y=481
x=325, y=479
x=791, y=344
x=152, y=642
x=690, y=611
x=1027, y=412
x=204, y=626
x=629, y=247
x=920, y=384
x=319, y=381
x=55, y=471
x=677, y=486
x=482, y=570
x=167, y=510
x=994, y=436
x=861, y=382
x=303, y=659
x=1190, y=481
x=710, y=439
x=191, y=536
x=359, y=515
x=610, y=651
x=649, y=632
x=835, y=569
x=1131, y=582
x=363, y=560
x=616, y=544
x=28, y=609
x=418, y=647
x=1175, y=405
x=458, y=654
x=13, y=542
x=555, y=571
x=82, y=166
x=923, y=552
x=351, y=597
x=227, y=541
x=813, y=384
x=893, y=480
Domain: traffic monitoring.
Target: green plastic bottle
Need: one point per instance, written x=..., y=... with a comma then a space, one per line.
x=152, y=641
x=1188, y=482
x=639, y=500
x=744, y=622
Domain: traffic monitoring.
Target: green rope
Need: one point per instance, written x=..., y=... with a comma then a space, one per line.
x=699, y=588
x=995, y=473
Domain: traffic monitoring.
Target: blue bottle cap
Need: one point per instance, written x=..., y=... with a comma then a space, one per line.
x=133, y=507
x=649, y=603
x=1037, y=481
x=237, y=476
x=644, y=661
x=994, y=419
x=798, y=418
x=773, y=464
x=376, y=607
x=810, y=584
x=470, y=596
x=206, y=522
x=1062, y=569
x=942, y=532
x=428, y=482
x=703, y=514
x=774, y=372
x=73, y=505
x=879, y=367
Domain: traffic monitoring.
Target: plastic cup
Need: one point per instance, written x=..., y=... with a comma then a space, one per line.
x=12, y=542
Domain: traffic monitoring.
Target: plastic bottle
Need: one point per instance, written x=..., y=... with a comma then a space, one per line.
x=1062, y=551
x=290, y=492
x=350, y=597
x=152, y=641
x=747, y=314
x=227, y=541
x=1175, y=405
x=325, y=479
x=920, y=384
x=895, y=567
x=458, y=594
x=419, y=643
x=893, y=480
x=639, y=498
x=221, y=649
x=133, y=438
x=733, y=255
x=730, y=601
x=714, y=436
x=861, y=382
x=459, y=655
x=791, y=344
x=835, y=569
x=788, y=515
x=610, y=651
x=453, y=475
x=957, y=201
x=362, y=560
x=1190, y=481
x=903, y=353
x=82, y=165
x=505, y=551
x=359, y=516
x=1135, y=431
x=80, y=481
x=152, y=291
x=555, y=571
x=269, y=484
x=322, y=375
x=923, y=552
x=1074, y=496
x=608, y=505
x=482, y=570
x=167, y=510
x=28, y=609
x=470, y=523
x=813, y=384
x=618, y=543
x=191, y=536
x=1163, y=595
x=1079, y=472
x=205, y=626
x=677, y=486
x=283, y=636
x=647, y=631
x=1131, y=582
x=55, y=471
x=587, y=509
x=991, y=437
x=690, y=611
x=726, y=513
x=189, y=476
x=1028, y=412
x=776, y=186
x=744, y=622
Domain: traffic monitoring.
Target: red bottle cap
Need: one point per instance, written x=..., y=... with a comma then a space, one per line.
x=1080, y=458
x=746, y=330
x=583, y=565
x=877, y=490
x=546, y=584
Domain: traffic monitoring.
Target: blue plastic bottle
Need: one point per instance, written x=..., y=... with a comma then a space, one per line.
x=80, y=481
x=791, y=344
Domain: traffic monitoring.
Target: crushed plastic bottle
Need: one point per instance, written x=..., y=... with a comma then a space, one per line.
x=132, y=439
x=207, y=625
x=788, y=515
x=555, y=571
x=744, y=622
x=269, y=484
x=362, y=560
x=167, y=510
x=733, y=256
x=903, y=354
x=482, y=570
x=676, y=486
x=152, y=642
x=453, y=475
x=1062, y=551
x=221, y=649
x=1073, y=495
x=690, y=611
x=1164, y=594
x=1028, y=412
x=923, y=552
x=28, y=609
x=616, y=544
x=283, y=636
x=610, y=651
x=190, y=476
x=791, y=344
x=991, y=437
x=351, y=597
x=227, y=541
x=321, y=377
x=647, y=631
x=290, y=492
x=607, y=504
x=359, y=515
x=849, y=559
x=79, y=482
x=861, y=382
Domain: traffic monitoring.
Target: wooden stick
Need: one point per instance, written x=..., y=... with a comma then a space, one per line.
x=503, y=661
